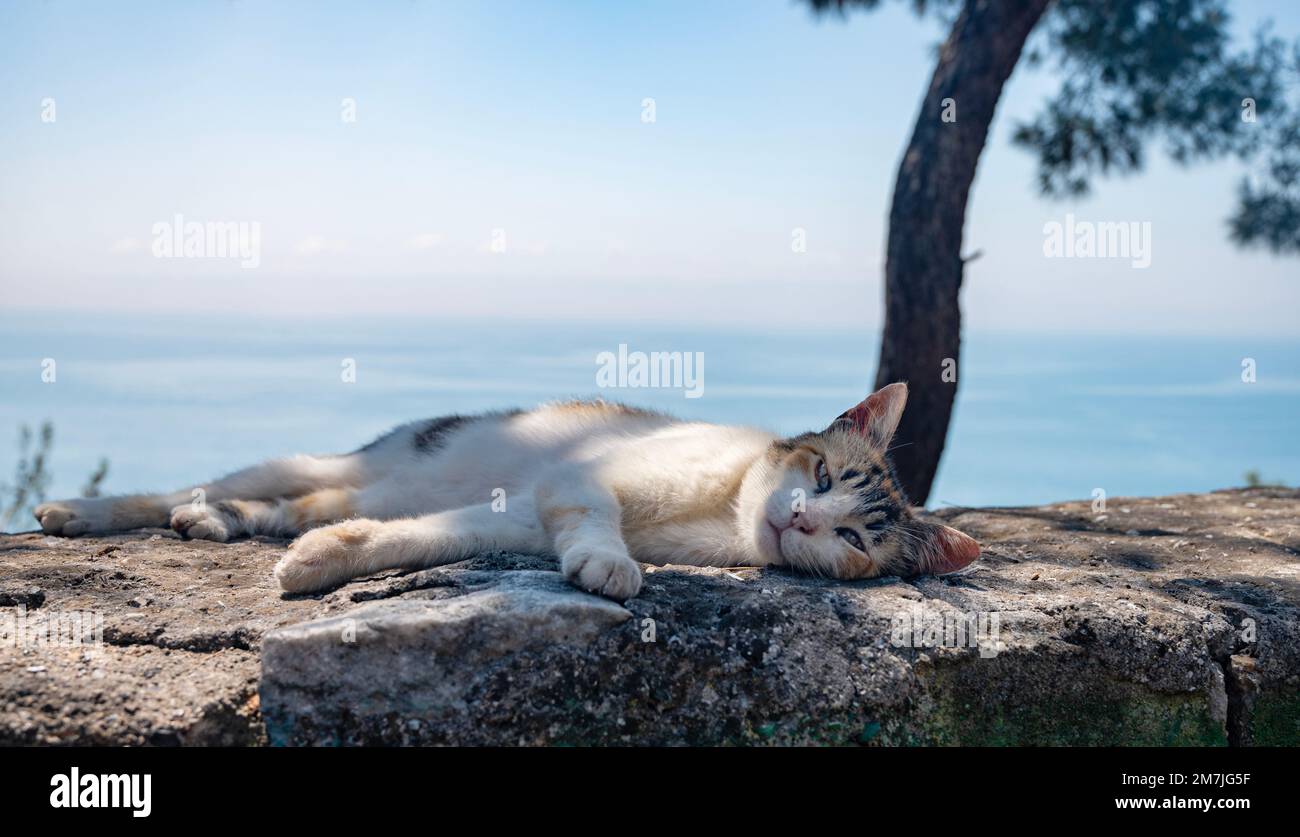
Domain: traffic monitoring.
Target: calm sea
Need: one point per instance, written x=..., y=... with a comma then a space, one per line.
x=171, y=401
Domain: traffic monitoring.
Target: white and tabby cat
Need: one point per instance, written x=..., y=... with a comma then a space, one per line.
x=599, y=485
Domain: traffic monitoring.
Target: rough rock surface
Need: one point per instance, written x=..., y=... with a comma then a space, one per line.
x=1170, y=620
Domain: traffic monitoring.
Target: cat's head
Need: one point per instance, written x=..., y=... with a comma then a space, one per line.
x=835, y=508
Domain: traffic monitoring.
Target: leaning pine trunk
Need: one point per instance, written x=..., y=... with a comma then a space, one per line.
x=923, y=264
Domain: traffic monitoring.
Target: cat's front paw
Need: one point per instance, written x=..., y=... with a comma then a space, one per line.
x=74, y=517
x=603, y=570
x=201, y=522
x=325, y=557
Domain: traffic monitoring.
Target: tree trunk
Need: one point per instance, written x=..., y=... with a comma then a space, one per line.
x=923, y=263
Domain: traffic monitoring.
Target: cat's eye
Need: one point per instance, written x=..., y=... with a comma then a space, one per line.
x=823, y=477
x=854, y=539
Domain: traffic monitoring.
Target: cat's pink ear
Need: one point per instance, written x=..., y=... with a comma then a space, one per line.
x=944, y=549
x=877, y=417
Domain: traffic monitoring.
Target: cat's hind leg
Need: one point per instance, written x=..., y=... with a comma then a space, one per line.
x=393, y=496
x=331, y=555
x=287, y=477
x=286, y=517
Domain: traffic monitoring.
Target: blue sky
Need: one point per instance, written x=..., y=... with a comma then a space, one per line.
x=526, y=117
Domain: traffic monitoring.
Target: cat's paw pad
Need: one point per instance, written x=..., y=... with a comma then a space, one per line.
x=324, y=557
x=201, y=522
x=609, y=572
x=71, y=517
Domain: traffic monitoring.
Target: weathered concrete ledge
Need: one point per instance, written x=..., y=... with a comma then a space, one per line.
x=1170, y=620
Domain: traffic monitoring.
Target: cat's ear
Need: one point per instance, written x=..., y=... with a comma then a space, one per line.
x=877, y=417
x=942, y=549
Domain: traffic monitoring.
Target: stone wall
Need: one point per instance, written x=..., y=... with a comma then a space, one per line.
x=1172, y=620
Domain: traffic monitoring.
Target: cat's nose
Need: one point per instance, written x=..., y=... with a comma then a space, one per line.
x=802, y=523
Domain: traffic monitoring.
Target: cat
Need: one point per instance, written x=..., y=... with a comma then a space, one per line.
x=598, y=484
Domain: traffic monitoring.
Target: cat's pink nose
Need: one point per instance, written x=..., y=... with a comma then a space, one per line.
x=800, y=521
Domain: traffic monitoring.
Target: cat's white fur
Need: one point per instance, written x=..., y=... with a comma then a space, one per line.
x=596, y=484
